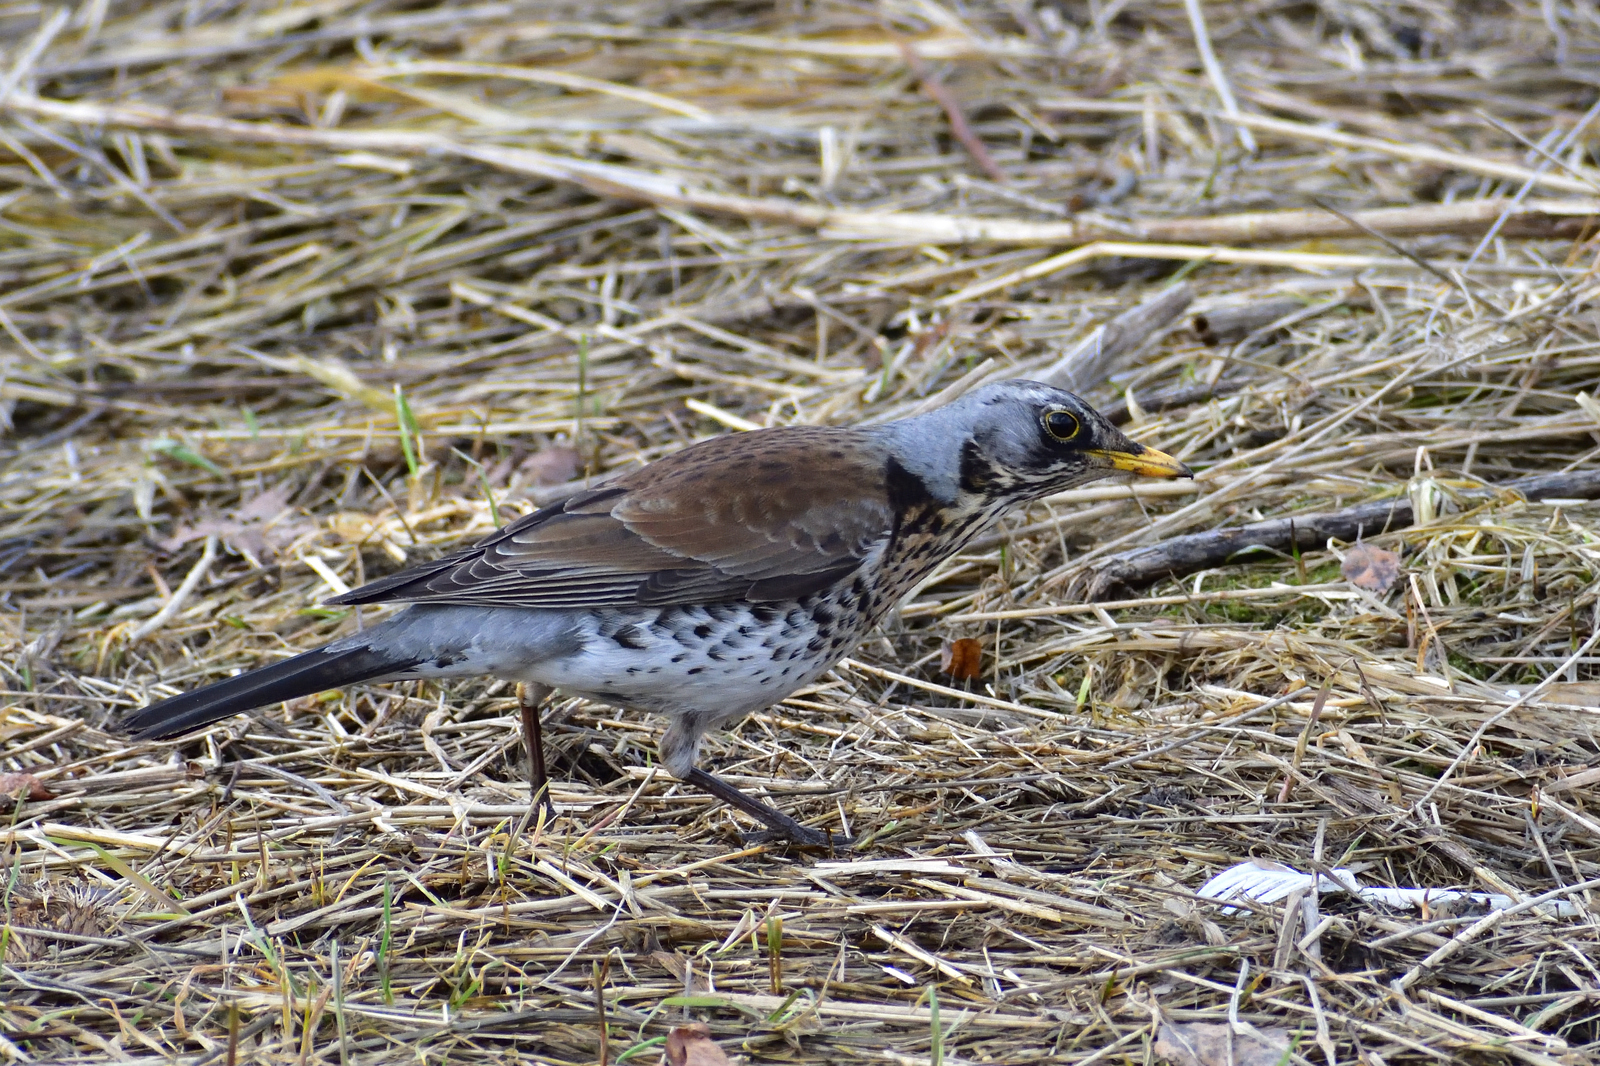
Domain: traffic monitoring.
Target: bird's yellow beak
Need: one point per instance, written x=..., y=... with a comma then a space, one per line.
x=1146, y=462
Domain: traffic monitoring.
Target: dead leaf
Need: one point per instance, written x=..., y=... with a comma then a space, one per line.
x=65, y=908
x=24, y=786
x=691, y=1045
x=1373, y=569
x=961, y=659
x=264, y=505
x=550, y=466
x=250, y=530
x=1206, y=1044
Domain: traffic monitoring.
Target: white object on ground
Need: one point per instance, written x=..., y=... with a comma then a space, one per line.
x=1265, y=881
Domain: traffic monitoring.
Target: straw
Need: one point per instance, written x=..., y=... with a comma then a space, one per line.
x=297, y=296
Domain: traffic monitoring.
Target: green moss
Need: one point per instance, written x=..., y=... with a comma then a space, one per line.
x=1253, y=612
x=1470, y=667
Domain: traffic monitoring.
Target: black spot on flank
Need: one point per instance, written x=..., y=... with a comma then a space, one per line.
x=629, y=637
x=822, y=616
x=745, y=631
x=764, y=614
x=695, y=670
x=679, y=658
x=448, y=659
x=702, y=631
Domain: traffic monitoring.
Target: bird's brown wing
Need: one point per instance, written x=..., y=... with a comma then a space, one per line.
x=762, y=516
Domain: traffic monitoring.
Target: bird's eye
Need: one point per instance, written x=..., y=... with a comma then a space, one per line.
x=1062, y=425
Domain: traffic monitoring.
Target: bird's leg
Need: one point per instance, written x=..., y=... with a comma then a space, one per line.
x=775, y=820
x=531, y=697
x=680, y=747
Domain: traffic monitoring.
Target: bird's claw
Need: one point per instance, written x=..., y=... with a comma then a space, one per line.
x=800, y=836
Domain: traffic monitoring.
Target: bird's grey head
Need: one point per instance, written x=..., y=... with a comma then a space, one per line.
x=1019, y=440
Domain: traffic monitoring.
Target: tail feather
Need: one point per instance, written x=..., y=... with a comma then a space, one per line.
x=302, y=675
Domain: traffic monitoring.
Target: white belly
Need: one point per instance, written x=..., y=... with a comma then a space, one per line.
x=714, y=662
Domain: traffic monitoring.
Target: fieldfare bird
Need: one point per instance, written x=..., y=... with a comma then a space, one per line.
x=712, y=582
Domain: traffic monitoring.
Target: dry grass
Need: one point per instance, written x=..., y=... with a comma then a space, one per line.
x=207, y=325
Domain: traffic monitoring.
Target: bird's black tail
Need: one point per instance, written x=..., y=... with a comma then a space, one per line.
x=313, y=671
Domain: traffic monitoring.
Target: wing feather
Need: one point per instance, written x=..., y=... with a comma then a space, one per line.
x=768, y=515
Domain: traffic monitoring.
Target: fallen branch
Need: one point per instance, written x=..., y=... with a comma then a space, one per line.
x=1087, y=363
x=1218, y=547
x=1093, y=359
x=1119, y=414
x=1542, y=218
x=213, y=42
x=1471, y=162
x=1228, y=325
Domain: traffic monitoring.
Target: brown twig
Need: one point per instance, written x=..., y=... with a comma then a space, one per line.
x=940, y=94
x=1217, y=547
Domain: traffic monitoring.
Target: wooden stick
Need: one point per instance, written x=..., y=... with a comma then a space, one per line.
x=1225, y=325
x=450, y=22
x=1201, y=551
x=1095, y=357
x=1166, y=400
x=1531, y=218
x=1300, y=131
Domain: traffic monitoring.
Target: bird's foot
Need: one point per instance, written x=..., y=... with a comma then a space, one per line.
x=800, y=836
x=541, y=806
x=780, y=827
